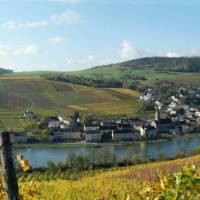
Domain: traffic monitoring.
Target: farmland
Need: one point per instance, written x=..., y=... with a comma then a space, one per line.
x=47, y=97
x=116, y=183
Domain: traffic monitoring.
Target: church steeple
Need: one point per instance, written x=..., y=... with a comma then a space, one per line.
x=157, y=110
x=157, y=113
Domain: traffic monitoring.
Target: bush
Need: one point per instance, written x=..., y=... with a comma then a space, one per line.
x=183, y=185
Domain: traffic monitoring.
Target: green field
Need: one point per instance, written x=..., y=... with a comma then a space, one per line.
x=115, y=72
x=47, y=97
x=121, y=72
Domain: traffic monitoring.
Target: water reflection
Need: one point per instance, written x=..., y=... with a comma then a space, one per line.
x=40, y=156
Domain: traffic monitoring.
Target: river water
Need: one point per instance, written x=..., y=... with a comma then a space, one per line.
x=39, y=157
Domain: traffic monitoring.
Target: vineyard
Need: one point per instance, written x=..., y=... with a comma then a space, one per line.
x=159, y=180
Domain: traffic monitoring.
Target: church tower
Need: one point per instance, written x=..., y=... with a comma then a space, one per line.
x=157, y=113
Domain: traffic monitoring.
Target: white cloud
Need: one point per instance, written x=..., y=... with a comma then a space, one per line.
x=56, y=40
x=10, y=50
x=26, y=50
x=128, y=51
x=173, y=54
x=89, y=61
x=13, y=25
x=66, y=17
x=193, y=52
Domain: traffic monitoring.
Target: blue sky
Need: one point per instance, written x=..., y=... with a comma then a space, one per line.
x=68, y=35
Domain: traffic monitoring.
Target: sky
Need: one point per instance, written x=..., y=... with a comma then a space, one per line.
x=68, y=35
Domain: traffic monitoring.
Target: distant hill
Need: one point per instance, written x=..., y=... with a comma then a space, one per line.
x=5, y=71
x=180, y=64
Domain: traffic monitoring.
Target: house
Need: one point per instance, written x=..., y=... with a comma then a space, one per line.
x=124, y=126
x=64, y=134
x=93, y=136
x=29, y=114
x=107, y=127
x=90, y=128
x=18, y=138
x=63, y=119
x=147, y=97
x=163, y=125
x=134, y=121
x=148, y=132
x=125, y=135
x=54, y=124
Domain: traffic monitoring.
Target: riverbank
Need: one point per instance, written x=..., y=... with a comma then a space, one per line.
x=89, y=144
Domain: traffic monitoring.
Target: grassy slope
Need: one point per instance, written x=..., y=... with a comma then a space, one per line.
x=113, y=184
x=49, y=98
x=118, y=72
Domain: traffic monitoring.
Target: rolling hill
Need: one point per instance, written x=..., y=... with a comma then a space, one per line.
x=178, y=64
x=150, y=69
x=144, y=70
x=46, y=97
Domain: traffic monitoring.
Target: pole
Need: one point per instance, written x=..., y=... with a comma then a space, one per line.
x=7, y=168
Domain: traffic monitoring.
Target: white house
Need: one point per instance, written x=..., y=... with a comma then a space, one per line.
x=148, y=132
x=147, y=98
x=63, y=119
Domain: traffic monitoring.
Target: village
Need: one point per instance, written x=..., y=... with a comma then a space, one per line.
x=175, y=119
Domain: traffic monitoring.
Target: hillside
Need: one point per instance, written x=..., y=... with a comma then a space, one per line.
x=47, y=97
x=179, y=64
x=143, y=70
x=115, y=184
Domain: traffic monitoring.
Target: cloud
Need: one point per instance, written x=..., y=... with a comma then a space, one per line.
x=194, y=52
x=173, y=54
x=26, y=50
x=128, y=51
x=9, y=50
x=66, y=17
x=13, y=25
x=56, y=40
x=89, y=61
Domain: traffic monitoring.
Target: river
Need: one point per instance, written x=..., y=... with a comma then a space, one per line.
x=39, y=157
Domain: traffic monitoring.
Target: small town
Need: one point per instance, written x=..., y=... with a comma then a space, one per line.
x=100, y=100
x=175, y=119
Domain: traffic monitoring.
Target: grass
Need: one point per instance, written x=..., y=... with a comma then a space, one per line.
x=118, y=72
x=116, y=183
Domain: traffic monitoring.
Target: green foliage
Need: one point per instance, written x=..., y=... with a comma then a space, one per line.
x=184, y=185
